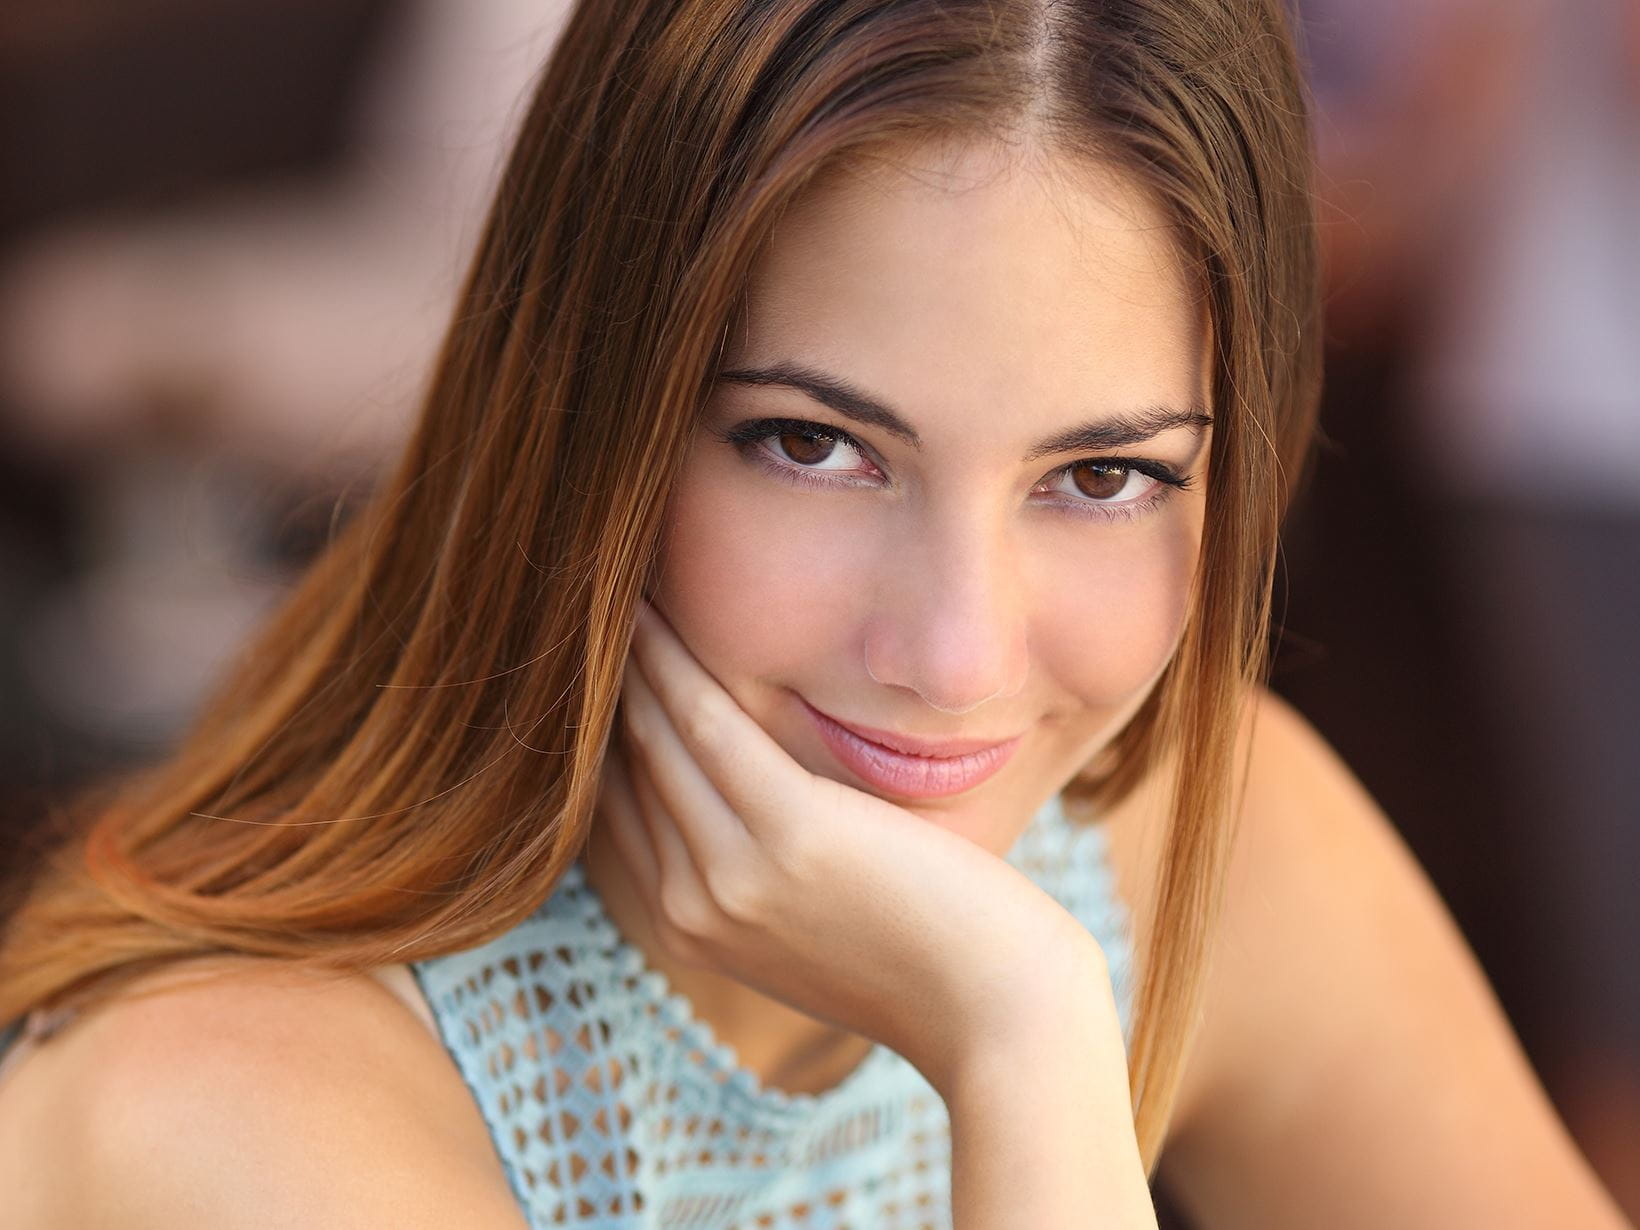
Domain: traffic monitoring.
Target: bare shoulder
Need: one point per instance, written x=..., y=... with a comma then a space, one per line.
x=1353, y=1067
x=1316, y=867
x=1300, y=811
x=248, y=1093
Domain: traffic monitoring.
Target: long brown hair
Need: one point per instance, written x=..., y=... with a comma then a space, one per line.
x=407, y=757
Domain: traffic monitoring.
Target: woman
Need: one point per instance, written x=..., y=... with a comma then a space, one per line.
x=843, y=514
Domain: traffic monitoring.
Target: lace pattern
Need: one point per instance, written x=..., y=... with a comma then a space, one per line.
x=612, y=1106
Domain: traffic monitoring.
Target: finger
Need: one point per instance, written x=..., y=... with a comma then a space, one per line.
x=619, y=811
x=674, y=864
x=686, y=811
x=737, y=757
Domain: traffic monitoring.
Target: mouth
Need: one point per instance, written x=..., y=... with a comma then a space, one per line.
x=911, y=768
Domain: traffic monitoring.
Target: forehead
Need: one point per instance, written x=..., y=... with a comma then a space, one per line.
x=975, y=274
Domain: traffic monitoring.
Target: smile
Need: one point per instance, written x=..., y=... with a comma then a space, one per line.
x=960, y=764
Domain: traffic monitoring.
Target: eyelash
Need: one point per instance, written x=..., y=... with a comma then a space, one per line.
x=748, y=438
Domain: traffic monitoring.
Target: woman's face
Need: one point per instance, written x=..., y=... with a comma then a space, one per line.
x=939, y=540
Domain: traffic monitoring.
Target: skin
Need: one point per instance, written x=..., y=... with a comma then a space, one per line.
x=993, y=297
x=1354, y=1069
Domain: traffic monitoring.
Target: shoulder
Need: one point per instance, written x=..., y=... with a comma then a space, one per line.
x=1353, y=1066
x=1320, y=889
x=1311, y=848
x=239, y=1092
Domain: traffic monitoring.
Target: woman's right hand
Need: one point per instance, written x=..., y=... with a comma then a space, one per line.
x=834, y=901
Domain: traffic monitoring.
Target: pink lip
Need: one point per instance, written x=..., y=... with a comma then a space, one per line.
x=951, y=767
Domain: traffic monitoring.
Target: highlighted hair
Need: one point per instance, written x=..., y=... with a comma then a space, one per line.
x=407, y=756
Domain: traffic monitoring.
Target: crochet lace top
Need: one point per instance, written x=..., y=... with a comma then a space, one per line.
x=611, y=1105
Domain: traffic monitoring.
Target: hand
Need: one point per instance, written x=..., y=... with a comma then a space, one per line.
x=848, y=908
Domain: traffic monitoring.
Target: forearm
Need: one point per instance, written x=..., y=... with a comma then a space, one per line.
x=1042, y=1133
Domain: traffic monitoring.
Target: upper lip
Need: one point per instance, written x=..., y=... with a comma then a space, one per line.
x=912, y=745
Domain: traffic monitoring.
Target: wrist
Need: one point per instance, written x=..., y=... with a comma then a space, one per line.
x=1057, y=1005
x=1042, y=1128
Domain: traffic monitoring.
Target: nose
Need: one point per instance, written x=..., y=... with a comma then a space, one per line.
x=950, y=620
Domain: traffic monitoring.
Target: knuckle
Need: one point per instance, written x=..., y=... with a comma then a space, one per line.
x=698, y=721
x=637, y=725
x=740, y=896
x=681, y=912
x=792, y=848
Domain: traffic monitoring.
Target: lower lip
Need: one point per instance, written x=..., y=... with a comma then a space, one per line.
x=911, y=777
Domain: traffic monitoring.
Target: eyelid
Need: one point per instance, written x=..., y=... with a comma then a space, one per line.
x=748, y=437
x=758, y=429
x=754, y=430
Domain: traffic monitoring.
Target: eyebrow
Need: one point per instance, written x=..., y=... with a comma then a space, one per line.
x=1115, y=431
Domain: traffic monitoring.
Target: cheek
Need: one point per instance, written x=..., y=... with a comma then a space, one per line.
x=751, y=581
x=1111, y=623
x=760, y=588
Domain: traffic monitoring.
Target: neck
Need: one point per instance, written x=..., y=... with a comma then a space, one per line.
x=784, y=1048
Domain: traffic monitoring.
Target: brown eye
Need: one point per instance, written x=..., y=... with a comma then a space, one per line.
x=1102, y=482
x=810, y=449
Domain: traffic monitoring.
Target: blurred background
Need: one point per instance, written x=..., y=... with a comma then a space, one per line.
x=230, y=233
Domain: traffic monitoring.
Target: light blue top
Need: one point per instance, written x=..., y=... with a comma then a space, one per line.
x=611, y=1106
